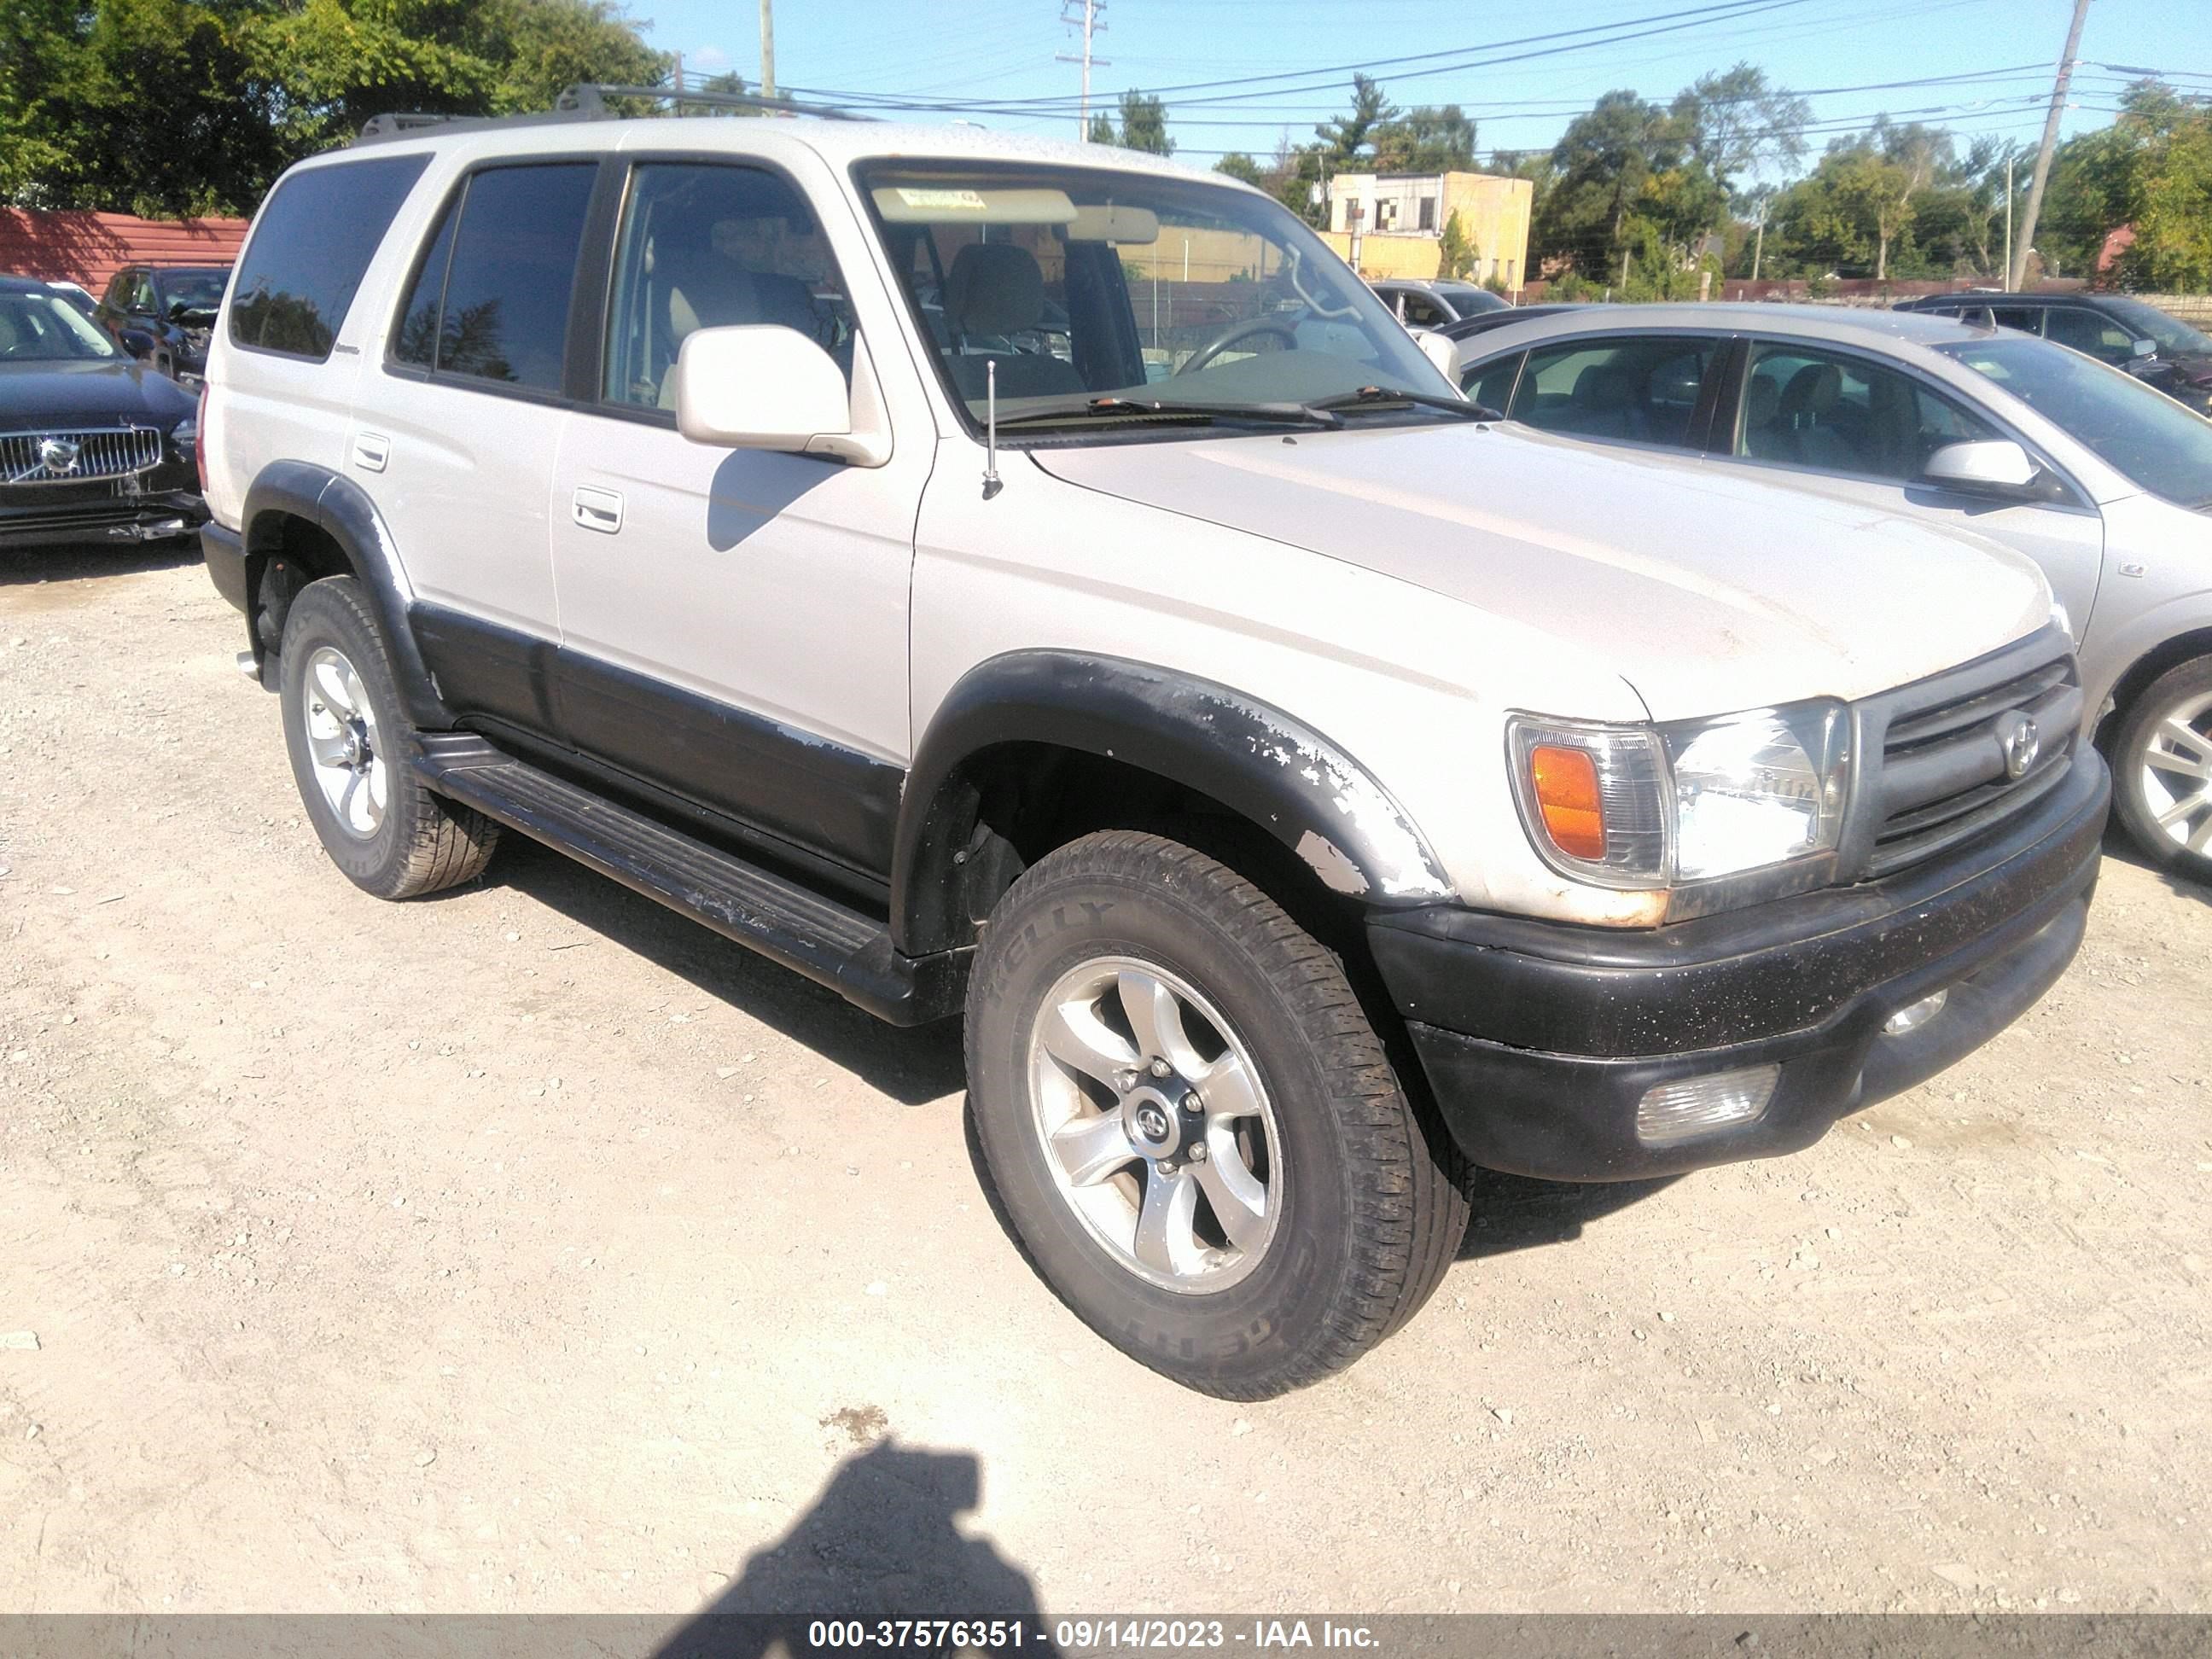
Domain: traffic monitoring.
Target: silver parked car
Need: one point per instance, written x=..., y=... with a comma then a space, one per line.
x=2103, y=481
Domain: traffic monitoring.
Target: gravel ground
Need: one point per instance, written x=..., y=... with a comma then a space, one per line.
x=530, y=1249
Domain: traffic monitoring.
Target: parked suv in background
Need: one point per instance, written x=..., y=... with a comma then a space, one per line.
x=2105, y=484
x=1433, y=304
x=1298, y=783
x=2157, y=348
x=162, y=314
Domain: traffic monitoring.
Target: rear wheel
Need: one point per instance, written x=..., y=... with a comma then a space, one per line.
x=349, y=743
x=1192, y=1124
x=2162, y=769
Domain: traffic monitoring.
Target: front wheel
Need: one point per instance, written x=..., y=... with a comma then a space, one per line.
x=2162, y=769
x=1192, y=1124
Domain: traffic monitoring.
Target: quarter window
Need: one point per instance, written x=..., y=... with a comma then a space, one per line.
x=2029, y=320
x=312, y=243
x=1831, y=413
x=1492, y=384
x=1644, y=391
x=707, y=246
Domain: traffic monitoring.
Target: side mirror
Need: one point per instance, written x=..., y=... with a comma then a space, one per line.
x=1440, y=351
x=1995, y=466
x=767, y=387
x=2140, y=349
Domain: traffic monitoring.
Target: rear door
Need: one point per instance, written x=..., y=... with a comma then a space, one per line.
x=1865, y=429
x=457, y=444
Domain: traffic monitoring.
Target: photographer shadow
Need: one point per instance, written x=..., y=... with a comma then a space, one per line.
x=881, y=1542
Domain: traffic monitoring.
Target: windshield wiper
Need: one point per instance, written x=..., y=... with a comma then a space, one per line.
x=1380, y=397
x=1276, y=414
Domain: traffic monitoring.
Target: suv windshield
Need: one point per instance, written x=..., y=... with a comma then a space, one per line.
x=2171, y=334
x=2141, y=432
x=1082, y=283
x=47, y=328
x=195, y=290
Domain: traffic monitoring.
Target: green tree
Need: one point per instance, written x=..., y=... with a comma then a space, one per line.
x=183, y=106
x=1455, y=253
x=1344, y=139
x=1144, y=125
x=1425, y=140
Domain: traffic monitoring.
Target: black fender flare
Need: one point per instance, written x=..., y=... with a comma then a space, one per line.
x=1261, y=763
x=342, y=510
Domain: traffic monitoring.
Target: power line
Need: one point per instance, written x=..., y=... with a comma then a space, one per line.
x=1555, y=44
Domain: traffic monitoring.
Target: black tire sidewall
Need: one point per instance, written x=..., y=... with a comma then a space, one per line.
x=2191, y=679
x=322, y=616
x=1267, y=1321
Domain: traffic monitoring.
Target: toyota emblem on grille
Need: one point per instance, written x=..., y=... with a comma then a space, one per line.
x=59, y=455
x=2017, y=736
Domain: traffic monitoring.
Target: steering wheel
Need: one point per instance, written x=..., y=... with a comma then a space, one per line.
x=1231, y=335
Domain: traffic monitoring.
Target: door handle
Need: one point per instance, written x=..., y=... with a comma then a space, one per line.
x=372, y=451
x=596, y=509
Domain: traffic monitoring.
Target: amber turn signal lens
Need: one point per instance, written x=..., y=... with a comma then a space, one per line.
x=1566, y=794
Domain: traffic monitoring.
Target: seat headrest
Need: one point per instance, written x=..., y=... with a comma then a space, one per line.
x=993, y=288
x=1814, y=390
x=1605, y=386
x=1763, y=401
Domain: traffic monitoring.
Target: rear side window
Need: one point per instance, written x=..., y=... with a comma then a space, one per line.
x=315, y=238
x=490, y=299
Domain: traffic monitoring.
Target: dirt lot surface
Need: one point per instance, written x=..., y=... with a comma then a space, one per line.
x=531, y=1249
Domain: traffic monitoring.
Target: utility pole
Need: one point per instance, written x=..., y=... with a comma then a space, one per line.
x=2008, y=263
x=1759, y=247
x=767, y=48
x=2017, y=267
x=1086, y=14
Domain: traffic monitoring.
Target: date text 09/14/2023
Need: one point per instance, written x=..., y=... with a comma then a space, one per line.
x=1085, y=1635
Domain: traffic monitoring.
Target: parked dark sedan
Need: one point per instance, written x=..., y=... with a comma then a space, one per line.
x=2113, y=328
x=162, y=314
x=93, y=447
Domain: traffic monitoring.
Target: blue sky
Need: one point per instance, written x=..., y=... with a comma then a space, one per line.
x=1006, y=50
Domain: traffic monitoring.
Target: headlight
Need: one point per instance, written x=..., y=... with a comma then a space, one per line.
x=1645, y=807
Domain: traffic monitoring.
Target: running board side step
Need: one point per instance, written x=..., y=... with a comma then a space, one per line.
x=828, y=942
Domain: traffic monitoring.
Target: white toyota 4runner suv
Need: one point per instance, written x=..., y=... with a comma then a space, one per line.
x=1035, y=582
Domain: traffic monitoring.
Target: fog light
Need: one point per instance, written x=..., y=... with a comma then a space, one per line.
x=1694, y=1106
x=1913, y=1016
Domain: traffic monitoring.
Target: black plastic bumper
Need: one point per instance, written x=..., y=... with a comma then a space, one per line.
x=103, y=520
x=224, y=550
x=1540, y=1039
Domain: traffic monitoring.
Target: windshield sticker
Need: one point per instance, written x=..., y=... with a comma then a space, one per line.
x=968, y=200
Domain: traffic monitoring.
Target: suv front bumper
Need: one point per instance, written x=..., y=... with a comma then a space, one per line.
x=1540, y=1039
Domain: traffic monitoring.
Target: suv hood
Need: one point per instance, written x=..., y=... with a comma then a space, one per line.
x=1705, y=588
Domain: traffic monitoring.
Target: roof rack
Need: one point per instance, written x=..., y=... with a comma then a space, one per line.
x=588, y=102
x=590, y=98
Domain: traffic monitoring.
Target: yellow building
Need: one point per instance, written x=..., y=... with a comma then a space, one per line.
x=1395, y=220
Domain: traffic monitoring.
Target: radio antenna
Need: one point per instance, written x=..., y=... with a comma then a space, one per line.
x=992, y=483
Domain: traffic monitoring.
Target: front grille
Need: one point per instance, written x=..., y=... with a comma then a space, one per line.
x=72, y=457
x=1945, y=775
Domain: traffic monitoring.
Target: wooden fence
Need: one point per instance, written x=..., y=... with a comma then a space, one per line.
x=89, y=248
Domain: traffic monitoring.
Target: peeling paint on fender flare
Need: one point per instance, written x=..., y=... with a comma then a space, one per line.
x=1261, y=763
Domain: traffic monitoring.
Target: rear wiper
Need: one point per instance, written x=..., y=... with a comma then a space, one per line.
x=1280, y=414
x=1381, y=396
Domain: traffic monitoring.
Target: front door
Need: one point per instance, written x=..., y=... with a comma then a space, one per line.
x=1867, y=430
x=733, y=622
